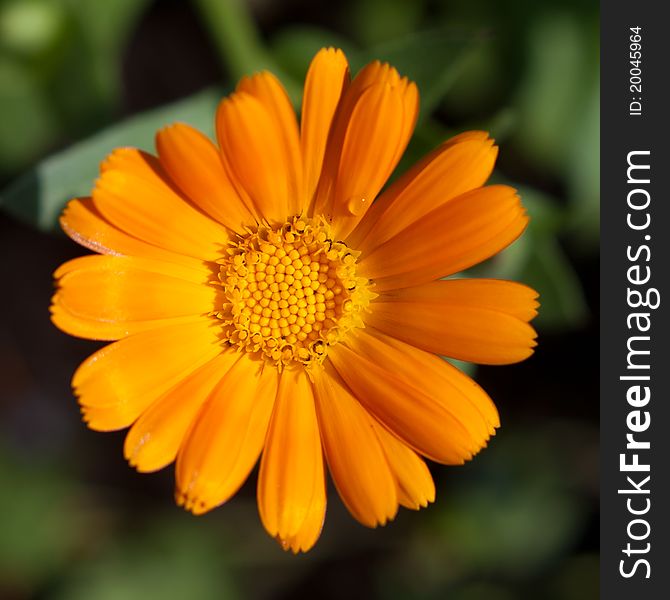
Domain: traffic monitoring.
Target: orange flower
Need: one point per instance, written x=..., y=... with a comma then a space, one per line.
x=262, y=304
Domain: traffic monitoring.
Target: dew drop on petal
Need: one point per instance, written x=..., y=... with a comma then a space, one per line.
x=356, y=205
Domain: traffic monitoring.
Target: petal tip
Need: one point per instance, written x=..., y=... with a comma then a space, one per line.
x=192, y=503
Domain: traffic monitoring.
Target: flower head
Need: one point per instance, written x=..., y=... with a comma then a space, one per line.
x=266, y=298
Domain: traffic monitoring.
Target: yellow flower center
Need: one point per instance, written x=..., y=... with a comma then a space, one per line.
x=291, y=292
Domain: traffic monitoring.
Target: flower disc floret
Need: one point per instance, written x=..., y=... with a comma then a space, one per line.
x=291, y=291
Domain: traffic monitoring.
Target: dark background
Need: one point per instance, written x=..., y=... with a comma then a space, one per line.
x=520, y=521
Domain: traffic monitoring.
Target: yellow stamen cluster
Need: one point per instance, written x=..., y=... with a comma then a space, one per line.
x=291, y=292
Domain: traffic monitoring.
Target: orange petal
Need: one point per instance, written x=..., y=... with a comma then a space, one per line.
x=227, y=437
x=327, y=78
x=355, y=456
x=418, y=419
x=475, y=320
x=348, y=194
x=133, y=194
x=429, y=404
x=457, y=235
x=369, y=154
x=106, y=331
x=117, y=383
x=126, y=289
x=461, y=164
x=193, y=271
x=310, y=530
x=84, y=223
x=193, y=162
x=70, y=315
x=266, y=88
x=253, y=149
x=153, y=441
x=406, y=360
x=414, y=483
x=509, y=297
x=374, y=72
x=291, y=483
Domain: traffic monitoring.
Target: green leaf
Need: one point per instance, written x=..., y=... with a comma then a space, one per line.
x=39, y=195
x=466, y=367
x=584, y=175
x=434, y=59
x=378, y=21
x=101, y=30
x=546, y=215
x=548, y=270
x=561, y=56
x=27, y=123
x=107, y=24
x=479, y=89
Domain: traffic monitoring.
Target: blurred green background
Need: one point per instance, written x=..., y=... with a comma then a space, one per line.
x=78, y=78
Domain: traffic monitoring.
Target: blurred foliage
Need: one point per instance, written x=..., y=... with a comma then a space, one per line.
x=41, y=502
x=59, y=71
x=166, y=559
x=506, y=517
x=506, y=526
x=37, y=196
x=509, y=517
